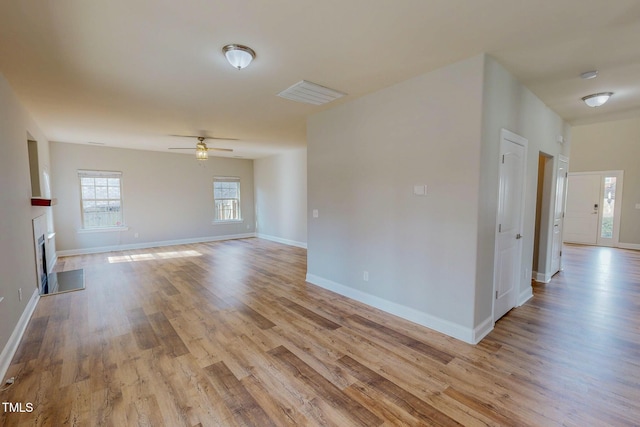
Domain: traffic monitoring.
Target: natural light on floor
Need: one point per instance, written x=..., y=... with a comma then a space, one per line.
x=152, y=256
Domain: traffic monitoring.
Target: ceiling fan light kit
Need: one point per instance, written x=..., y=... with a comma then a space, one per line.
x=239, y=56
x=202, y=151
x=597, y=99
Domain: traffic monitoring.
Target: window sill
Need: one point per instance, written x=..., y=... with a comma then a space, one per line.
x=101, y=230
x=227, y=221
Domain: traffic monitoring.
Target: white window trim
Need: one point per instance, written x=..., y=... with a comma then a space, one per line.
x=227, y=221
x=103, y=174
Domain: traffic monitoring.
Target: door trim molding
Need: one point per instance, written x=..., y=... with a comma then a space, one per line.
x=506, y=134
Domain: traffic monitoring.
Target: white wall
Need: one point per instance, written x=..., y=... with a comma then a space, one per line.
x=166, y=197
x=508, y=104
x=17, y=254
x=430, y=259
x=364, y=158
x=613, y=145
x=281, y=197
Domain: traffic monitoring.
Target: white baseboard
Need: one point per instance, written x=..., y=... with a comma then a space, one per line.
x=101, y=249
x=525, y=296
x=541, y=277
x=281, y=240
x=483, y=329
x=16, y=336
x=454, y=330
x=634, y=246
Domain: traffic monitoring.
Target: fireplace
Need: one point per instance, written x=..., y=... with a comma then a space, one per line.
x=54, y=282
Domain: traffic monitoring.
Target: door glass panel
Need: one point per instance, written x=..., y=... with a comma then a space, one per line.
x=608, y=206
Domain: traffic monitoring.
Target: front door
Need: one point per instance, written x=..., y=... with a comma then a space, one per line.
x=508, y=256
x=593, y=208
x=583, y=204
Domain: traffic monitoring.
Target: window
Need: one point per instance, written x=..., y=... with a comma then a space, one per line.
x=226, y=199
x=101, y=194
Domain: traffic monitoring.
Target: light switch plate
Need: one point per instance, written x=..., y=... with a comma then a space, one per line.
x=315, y=213
x=420, y=190
x=637, y=205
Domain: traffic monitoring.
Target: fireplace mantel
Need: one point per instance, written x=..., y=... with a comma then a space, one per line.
x=42, y=201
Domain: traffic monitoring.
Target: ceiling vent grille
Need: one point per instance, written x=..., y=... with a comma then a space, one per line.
x=310, y=93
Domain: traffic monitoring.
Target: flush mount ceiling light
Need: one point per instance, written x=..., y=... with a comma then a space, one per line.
x=597, y=99
x=239, y=56
x=589, y=75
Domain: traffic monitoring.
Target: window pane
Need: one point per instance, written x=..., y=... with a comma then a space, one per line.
x=115, y=182
x=88, y=192
x=101, y=181
x=114, y=192
x=608, y=207
x=87, y=181
x=101, y=192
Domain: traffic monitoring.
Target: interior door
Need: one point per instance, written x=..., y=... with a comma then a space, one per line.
x=558, y=215
x=513, y=151
x=583, y=203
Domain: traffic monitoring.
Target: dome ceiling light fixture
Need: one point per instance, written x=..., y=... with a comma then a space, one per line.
x=239, y=56
x=597, y=99
x=587, y=75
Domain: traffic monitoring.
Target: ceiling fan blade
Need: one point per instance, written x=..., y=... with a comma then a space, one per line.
x=181, y=148
x=206, y=137
x=219, y=149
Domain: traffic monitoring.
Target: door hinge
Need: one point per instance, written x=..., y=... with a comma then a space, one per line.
x=499, y=228
x=496, y=294
x=503, y=158
x=560, y=253
x=566, y=174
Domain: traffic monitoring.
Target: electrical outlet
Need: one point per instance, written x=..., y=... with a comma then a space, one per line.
x=136, y=235
x=365, y=276
x=20, y=294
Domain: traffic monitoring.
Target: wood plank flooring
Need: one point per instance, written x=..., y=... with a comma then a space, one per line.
x=229, y=334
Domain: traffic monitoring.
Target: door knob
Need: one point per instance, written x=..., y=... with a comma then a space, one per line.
x=518, y=236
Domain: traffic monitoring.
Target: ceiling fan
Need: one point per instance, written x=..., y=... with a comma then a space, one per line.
x=201, y=147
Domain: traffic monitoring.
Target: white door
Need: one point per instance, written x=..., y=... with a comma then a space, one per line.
x=508, y=256
x=581, y=218
x=558, y=214
x=593, y=208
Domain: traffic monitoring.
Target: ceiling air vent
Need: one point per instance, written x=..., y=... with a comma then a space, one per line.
x=310, y=93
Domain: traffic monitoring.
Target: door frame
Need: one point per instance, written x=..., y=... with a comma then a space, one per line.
x=519, y=140
x=563, y=205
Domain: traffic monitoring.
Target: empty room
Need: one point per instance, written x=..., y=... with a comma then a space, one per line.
x=356, y=213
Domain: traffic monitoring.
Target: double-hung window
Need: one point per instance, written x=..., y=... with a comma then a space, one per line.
x=101, y=199
x=226, y=199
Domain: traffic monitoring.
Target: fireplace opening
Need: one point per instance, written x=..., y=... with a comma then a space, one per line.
x=42, y=261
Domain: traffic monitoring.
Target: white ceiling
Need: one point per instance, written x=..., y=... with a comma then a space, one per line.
x=129, y=73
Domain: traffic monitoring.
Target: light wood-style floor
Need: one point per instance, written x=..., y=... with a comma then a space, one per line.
x=229, y=333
